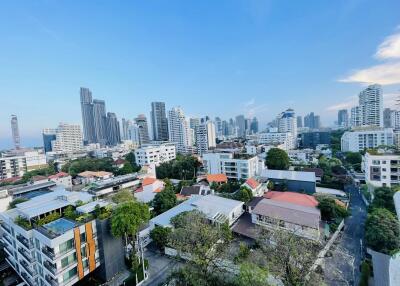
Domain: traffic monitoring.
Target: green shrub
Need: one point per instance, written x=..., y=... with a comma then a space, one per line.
x=23, y=222
x=365, y=273
x=49, y=218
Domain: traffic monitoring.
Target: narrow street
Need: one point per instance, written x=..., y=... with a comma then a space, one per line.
x=342, y=268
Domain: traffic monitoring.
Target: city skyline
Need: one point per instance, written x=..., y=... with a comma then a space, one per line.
x=194, y=72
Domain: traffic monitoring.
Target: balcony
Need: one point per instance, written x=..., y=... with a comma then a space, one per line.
x=5, y=236
x=51, y=281
x=31, y=272
x=27, y=279
x=25, y=254
x=6, y=228
x=49, y=266
x=24, y=241
x=49, y=252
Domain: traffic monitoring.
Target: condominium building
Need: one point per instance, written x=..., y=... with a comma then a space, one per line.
x=16, y=165
x=141, y=122
x=100, y=121
x=159, y=121
x=360, y=139
x=371, y=106
x=277, y=138
x=15, y=132
x=155, y=154
x=287, y=122
x=179, y=130
x=113, y=134
x=343, y=118
x=62, y=251
x=312, y=121
x=234, y=166
x=355, y=119
x=382, y=170
x=68, y=138
x=49, y=135
x=205, y=137
x=87, y=115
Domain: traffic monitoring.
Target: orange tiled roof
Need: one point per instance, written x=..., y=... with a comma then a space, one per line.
x=252, y=183
x=89, y=174
x=217, y=178
x=157, y=190
x=294, y=198
x=58, y=175
x=148, y=181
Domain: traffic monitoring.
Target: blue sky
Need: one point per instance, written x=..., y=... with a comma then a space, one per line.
x=219, y=58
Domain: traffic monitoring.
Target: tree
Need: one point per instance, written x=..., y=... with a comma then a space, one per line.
x=182, y=168
x=244, y=194
x=164, y=200
x=130, y=157
x=77, y=166
x=126, y=169
x=288, y=256
x=160, y=236
x=277, y=159
x=383, y=198
x=127, y=218
x=270, y=185
x=252, y=274
x=122, y=196
x=330, y=210
x=207, y=245
x=15, y=202
x=382, y=231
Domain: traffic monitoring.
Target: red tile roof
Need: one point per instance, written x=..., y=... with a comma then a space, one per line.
x=294, y=198
x=217, y=178
x=148, y=181
x=158, y=190
x=59, y=175
x=252, y=183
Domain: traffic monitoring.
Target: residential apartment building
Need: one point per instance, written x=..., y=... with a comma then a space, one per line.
x=287, y=122
x=343, y=118
x=68, y=138
x=277, y=138
x=382, y=170
x=205, y=137
x=159, y=121
x=155, y=154
x=360, y=139
x=234, y=166
x=141, y=122
x=17, y=164
x=63, y=251
x=49, y=135
x=371, y=106
x=314, y=138
x=312, y=121
x=113, y=134
x=15, y=132
x=179, y=130
x=355, y=119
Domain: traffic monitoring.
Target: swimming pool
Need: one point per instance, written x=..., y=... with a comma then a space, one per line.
x=59, y=226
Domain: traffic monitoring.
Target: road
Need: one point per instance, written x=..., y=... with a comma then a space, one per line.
x=343, y=267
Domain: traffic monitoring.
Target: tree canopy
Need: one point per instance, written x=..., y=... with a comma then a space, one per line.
x=244, y=194
x=164, y=200
x=77, y=166
x=330, y=210
x=277, y=159
x=382, y=231
x=383, y=198
x=160, y=236
x=122, y=196
x=182, y=168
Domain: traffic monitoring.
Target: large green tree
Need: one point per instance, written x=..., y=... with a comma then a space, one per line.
x=127, y=218
x=277, y=159
x=130, y=157
x=182, y=168
x=122, y=196
x=244, y=194
x=382, y=231
x=383, y=198
x=164, y=200
x=160, y=236
x=77, y=166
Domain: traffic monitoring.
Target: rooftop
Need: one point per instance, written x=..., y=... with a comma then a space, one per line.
x=301, y=215
x=252, y=182
x=90, y=207
x=59, y=226
x=91, y=174
x=217, y=178
x=148, y=181
x=293, y=198
x=289, y=175
x=59, y=175
x=51, y=201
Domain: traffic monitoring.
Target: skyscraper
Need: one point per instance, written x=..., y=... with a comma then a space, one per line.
x=299, y=121
x=159, y=121
x=241, y=125
x=343, y=118
x=179, y=130
x=387, y=118
x=312, y=121
x=113, y=132
x=371, y=106
x=99, y=121
x=15, y=132
x=254, y=126
x=49, y=136
x=355, y=118
x=141, y=121
x=287, y=123
x=68, y=138
x=87, y=115
x=205, y=137
x=218, y=126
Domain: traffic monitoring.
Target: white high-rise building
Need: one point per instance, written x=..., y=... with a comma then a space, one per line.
x=68, y=138
x=205, y=137
x=395, y=119
x=179, y=130
x=287, y=122
x=371, y=106
x=355, y=117
x=155, y=154
x=366, y=138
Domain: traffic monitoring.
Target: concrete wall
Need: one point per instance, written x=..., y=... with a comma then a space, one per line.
x=111, y=251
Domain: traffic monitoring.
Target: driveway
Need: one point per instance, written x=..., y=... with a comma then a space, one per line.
x=342, y=268
x=160, y=266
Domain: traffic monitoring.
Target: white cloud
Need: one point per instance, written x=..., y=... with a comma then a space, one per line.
x=349, y=103
x=385, y=74
x=391, y=100
x=390, y=48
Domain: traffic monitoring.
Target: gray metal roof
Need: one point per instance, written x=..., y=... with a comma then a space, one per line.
x=288, y=212
x=289, y=175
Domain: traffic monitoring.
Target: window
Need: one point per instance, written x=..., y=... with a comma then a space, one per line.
x=69, y=274
x=66, y=246
x=66, y=261
x=83, y=237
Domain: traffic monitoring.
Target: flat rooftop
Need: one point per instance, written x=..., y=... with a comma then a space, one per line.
x=59, y=226
x=289, y=175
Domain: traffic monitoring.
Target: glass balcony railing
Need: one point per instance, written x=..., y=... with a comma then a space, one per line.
x=6, y=228
x=49, y=266
x=26, y=255
x=25, y=242
x=51, y=280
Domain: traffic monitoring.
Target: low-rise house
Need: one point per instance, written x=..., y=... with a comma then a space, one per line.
x=61, y=178
x=103, y=188
x=288, y=211
x=319, y=173
x=257, y=187
x=294, y=181
x=197, y=189
x=150, y=187
x=88, y=177
x=119, y=163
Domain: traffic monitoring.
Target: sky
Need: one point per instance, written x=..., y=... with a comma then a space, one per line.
x=217, y=58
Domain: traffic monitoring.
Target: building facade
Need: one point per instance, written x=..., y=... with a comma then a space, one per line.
x=68, y=138
x=382, y=170
x=205, y=137
x=87, y=115
x=343, y=118
x=364, y=138
x=159, y=121
x=371, y=106
x=141, y=122
x=113, y=133
x=17, y=165
x=277, y=138
x=15, y=132
x=179, y=130
x=155, y=154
